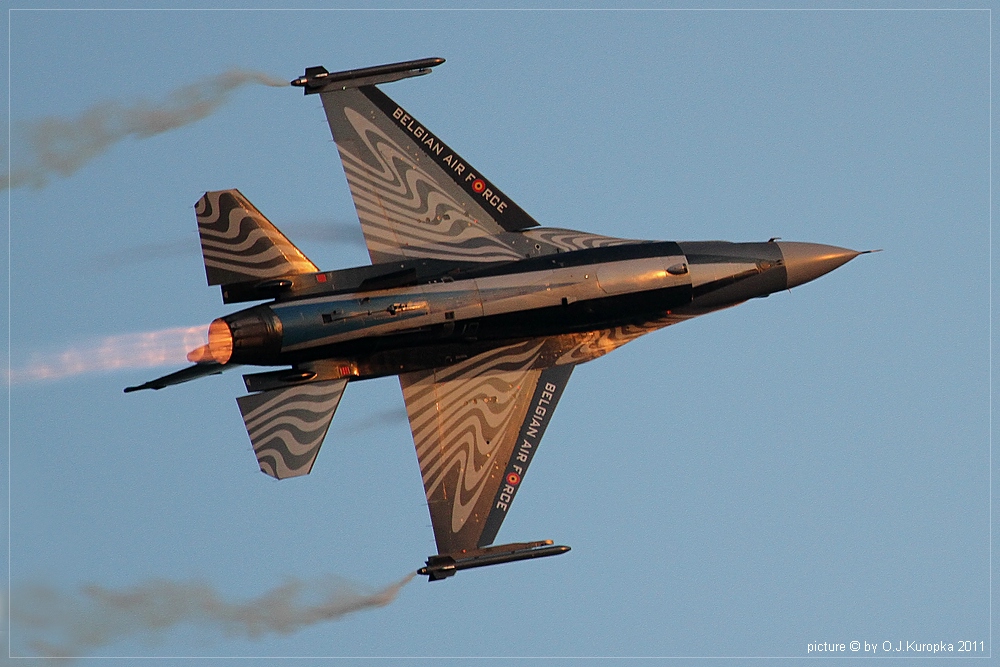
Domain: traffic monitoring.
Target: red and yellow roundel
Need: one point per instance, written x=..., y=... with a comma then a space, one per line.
x=513, y=478
x=478, y=185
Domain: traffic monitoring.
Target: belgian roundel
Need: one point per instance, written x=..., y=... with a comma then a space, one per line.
x=513, y=479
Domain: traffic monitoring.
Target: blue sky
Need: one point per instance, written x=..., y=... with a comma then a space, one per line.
x=809, y=467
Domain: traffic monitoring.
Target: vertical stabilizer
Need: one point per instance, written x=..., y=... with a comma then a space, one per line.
x=239, y=244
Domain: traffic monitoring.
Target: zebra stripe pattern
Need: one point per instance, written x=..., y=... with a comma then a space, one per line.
x=287, y=426
x=568, y=240
x=580, y=348
x=239, y=243
x=410, y=206
x=405, y=209
x=464, y=419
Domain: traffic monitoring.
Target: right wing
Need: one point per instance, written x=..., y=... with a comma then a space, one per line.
x=415, y=196
x=476, y=426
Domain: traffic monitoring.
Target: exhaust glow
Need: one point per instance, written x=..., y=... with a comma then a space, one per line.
x=219, y=348
x=138, y=350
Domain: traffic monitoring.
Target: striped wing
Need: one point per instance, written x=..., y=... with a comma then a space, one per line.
x=240, y=244
x=476, y=426
x=287, y=426
x=415, y=197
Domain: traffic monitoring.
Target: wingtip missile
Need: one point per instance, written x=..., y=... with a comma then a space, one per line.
x=443, y=566
x=316, y=79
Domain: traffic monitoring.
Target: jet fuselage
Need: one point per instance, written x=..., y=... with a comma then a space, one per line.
x=454, y=315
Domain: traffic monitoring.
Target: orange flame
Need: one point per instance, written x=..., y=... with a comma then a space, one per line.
x=220, y=345
x=138, y=350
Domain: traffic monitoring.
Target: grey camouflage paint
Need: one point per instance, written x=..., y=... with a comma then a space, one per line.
x=465, y=420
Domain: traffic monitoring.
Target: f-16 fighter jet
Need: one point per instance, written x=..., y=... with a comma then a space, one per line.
x=482, y=313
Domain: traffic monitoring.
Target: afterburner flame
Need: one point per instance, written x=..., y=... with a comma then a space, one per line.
x=220, y=341
x=138, y=350
x=219, y=348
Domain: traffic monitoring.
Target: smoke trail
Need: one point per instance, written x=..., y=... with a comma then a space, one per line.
x=60, y=146
x=329, y=232
x=376, y=420
x=54, y=624
x=332, y=232
x=140, y=254
x=137, y=350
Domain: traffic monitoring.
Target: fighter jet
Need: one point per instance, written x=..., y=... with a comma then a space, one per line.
x=482, y=313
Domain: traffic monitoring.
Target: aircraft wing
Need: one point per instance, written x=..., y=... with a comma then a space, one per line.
x=476, y=426
x=415, y=196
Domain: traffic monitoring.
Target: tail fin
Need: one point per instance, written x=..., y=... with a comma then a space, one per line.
x=239, y=244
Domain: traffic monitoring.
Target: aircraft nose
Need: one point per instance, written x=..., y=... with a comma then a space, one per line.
x=809, y=261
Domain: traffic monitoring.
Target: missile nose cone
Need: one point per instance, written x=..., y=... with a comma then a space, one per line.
x=809, y=261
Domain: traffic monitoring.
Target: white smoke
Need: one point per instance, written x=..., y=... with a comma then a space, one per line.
x=50, y=623
x=329, y=232
x=376, y=420
x=61, y=146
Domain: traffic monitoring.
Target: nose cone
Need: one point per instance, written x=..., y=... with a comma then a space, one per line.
x=808, y=261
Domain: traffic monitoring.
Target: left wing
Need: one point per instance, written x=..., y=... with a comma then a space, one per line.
x=476, y=426
x=415, y=196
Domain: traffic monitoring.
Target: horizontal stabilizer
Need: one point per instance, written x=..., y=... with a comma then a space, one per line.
x=184, y=375
x=287, y=426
